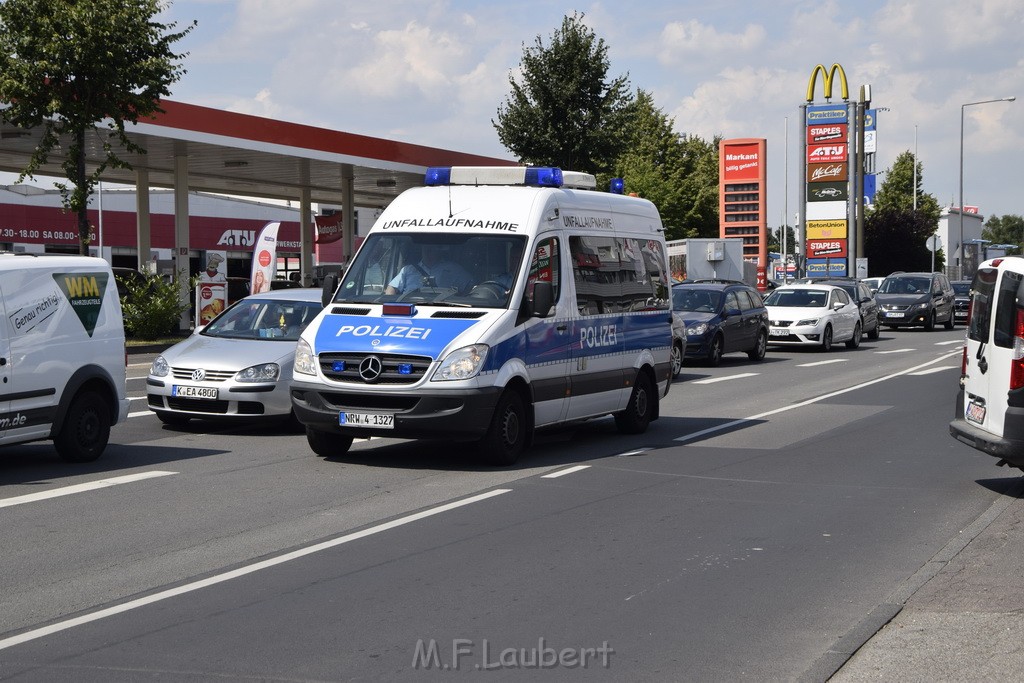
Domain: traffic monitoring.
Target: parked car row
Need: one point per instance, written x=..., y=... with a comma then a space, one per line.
x=727, y=316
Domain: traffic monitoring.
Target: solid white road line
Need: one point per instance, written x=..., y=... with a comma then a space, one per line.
x=79, y=488
x=562, y=473
x=241, y=571
x=725, y=379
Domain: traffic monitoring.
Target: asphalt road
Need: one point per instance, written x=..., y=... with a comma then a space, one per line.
x=758, y=528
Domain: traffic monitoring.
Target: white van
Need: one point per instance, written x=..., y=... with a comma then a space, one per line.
x=990, y=404
x=486, y=305
x=62, y=353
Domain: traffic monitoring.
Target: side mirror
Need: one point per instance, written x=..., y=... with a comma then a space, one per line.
x=330, y=284
x=542, y=300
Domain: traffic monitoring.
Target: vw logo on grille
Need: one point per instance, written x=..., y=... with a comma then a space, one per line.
x=370, y=368
x=198, y=375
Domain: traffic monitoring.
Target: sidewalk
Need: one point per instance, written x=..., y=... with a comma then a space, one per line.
x=964, y=619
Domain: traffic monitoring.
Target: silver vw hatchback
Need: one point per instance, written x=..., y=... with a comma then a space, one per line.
x=238, y=366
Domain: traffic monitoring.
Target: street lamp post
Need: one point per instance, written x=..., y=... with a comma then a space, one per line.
x=960, y=262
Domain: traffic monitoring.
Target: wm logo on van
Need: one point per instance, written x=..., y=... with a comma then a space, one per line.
x=84, y=291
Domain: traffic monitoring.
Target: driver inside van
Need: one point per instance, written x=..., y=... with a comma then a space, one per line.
x=434, y=269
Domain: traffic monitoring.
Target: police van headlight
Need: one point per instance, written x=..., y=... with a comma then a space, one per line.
x=461, y=363
x=160, y=368
x=264, y=372
x=305, y=363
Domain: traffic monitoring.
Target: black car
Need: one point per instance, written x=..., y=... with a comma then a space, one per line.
x=961, y=300
x=721, y=317
x=860, y=293
x=916, y=299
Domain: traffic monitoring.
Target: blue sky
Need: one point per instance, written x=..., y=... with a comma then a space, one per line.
x=435, y=72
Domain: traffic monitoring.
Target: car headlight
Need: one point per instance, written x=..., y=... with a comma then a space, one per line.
x=461, y=363
x=807, y=321
x=697, y=330
x=920, y=307
x=265, y=372
x=305, y=363
x=159, y=368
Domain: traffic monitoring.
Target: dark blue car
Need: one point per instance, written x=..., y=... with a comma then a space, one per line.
x=721, y=317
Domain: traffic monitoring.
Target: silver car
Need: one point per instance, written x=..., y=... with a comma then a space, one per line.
x=237, y=367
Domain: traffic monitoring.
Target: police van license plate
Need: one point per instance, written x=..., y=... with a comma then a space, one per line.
x=377, y=420
x=975, y=413
x=194, y=392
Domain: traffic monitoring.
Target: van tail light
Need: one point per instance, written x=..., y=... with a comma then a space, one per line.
x=1017, y=363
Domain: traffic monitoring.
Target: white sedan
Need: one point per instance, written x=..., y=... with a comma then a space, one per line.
x=813, y=315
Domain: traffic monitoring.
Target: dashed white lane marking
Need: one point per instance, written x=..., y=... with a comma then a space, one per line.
x=562, y=473
x=931, y=370
x=895, y=351
x=241, y=571
x=823, y=362
x=712, y=380
x=79, y=488
x=947, y=343
x=746, y=420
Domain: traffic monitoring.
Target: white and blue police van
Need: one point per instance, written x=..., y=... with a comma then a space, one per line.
x=488, y=304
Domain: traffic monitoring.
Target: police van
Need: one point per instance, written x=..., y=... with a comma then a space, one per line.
x=990, y=404
x=487, y=304
x=62, y=353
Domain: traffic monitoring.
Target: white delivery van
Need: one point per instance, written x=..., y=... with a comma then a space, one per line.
x=490, y=303
x=62, y=353
x=990, y=404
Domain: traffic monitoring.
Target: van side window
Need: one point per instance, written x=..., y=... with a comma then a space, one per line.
x=545, y=266
x=595, y=269
x=1007, y=301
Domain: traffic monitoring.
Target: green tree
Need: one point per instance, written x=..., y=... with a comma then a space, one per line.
x=566, y=112
x=894, y=233
x=676, y=172
x=67, y=65
x=898, y=190
x=1007, y=229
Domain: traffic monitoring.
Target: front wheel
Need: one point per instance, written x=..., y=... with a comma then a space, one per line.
x=873, y=333
x=677, y=360
x=640, y=410
x=715, y=351
x=86, y=429
x=327, y=444
x=506, y=436
x=826, y=338
x=760, y=347
x=951, y=323
x=929, y=324
x=854, y=341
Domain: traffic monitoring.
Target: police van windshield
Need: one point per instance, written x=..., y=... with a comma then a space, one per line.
x=447, y=269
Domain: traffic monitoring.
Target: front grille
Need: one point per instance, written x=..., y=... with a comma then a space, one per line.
x=348, y=368
x=340, y=400
x=210, y=376
x=197, y=405
x=780, y=323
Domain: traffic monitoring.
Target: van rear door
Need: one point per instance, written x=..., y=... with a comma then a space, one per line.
x=6, y=383
x=990, y=346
